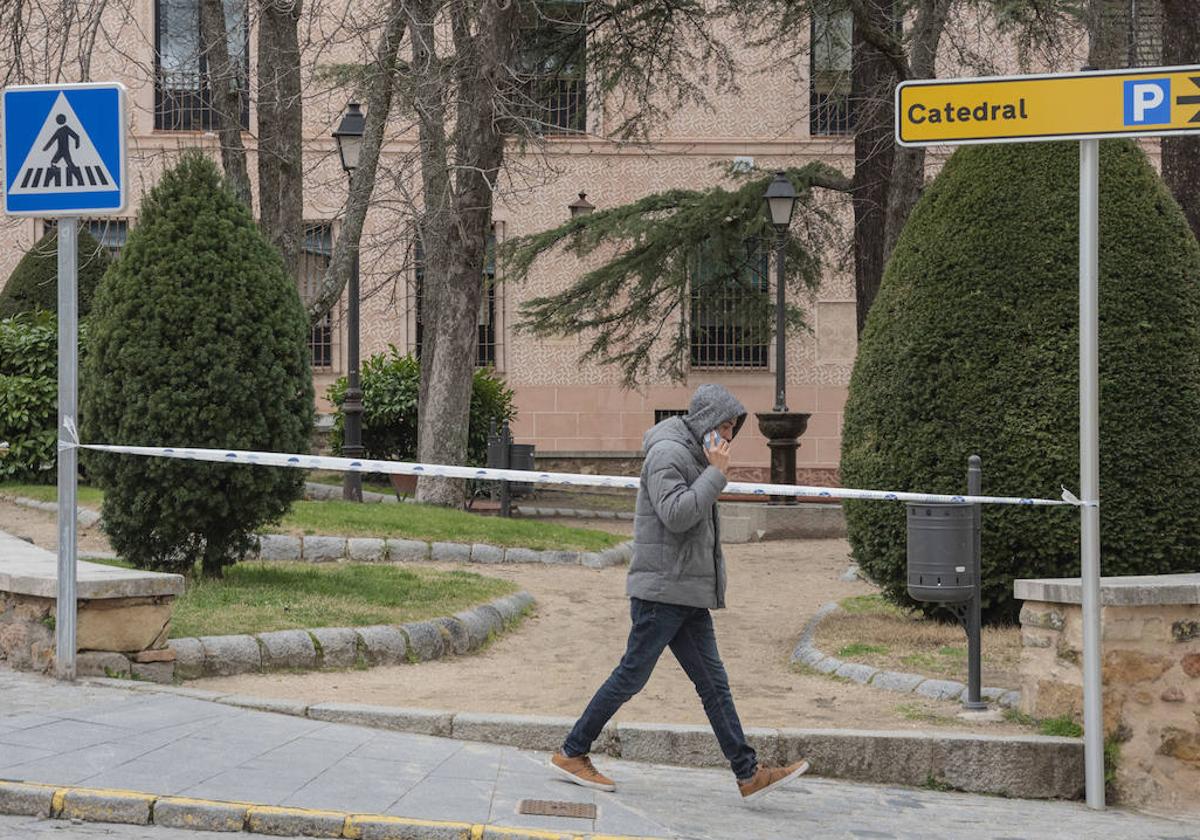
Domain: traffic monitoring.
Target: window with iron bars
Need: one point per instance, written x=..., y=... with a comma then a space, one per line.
x=485, y=354
x=661, y=414
x=182, y=94
x=315, y=256
x=728, y=327
x=552, y=66
x=1145, y=33
x=830, y=109
x=110, y=233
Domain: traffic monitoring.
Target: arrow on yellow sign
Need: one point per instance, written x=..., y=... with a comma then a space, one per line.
x=1191, y=100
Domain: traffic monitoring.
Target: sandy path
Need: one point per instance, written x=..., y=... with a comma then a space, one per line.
x=561, y=654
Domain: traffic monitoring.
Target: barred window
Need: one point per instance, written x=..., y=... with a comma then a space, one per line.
x=661, y=414
x=1145, y=33
x=830, y=111
x=315, y=256
x=182, y=95
x=110, y=233
x=485, y=354
x=730, y=315
x=552, y=64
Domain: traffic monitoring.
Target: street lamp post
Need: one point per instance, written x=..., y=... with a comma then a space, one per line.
x=781, y=427
x=349, y=136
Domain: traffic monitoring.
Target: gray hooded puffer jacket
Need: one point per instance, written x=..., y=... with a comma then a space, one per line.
x=677, y=554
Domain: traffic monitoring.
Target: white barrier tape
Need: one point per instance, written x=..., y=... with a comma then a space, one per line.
x=323, y=462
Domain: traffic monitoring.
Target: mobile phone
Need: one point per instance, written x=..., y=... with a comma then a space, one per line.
x=712, y=440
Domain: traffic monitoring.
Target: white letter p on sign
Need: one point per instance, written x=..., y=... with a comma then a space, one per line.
x=1146, y=98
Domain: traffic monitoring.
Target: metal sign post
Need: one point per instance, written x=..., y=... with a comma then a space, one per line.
x=64, y=156
x=68, y=456
x=1084, y=106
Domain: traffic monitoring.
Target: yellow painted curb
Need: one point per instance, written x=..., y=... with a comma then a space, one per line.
x=351, y=824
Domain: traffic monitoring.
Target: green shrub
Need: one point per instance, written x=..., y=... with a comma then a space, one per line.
x=33, y=284
x=972, y=347
x=391, y=384
x=198, y=338
x=28, y=396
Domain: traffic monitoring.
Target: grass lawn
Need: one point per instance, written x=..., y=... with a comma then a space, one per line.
x=870, y=630
x=257, y=597
x=88, y=496
x=422, y=522
x=335, y=479
x=409, y=521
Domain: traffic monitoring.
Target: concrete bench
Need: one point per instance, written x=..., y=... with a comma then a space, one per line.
x=124, y=615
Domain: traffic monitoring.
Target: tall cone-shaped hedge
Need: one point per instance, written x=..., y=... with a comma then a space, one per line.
x=972, y=347
x=198, y=338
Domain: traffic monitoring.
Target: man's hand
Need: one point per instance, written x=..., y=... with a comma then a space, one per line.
x=719, y=456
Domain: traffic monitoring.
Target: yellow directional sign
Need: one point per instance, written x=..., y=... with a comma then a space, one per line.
x=1009, y=109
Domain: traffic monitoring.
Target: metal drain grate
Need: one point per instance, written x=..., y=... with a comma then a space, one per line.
x=553, y=808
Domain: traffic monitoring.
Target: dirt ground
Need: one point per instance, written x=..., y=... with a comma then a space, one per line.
x=561, y=654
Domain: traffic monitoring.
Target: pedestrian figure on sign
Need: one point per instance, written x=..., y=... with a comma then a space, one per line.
x=676, y=576
x=63, y=136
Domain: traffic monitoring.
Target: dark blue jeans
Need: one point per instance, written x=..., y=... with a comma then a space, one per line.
x=688, y=631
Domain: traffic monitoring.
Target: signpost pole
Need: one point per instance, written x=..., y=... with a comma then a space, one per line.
x=64, y=628
x=1089, y=466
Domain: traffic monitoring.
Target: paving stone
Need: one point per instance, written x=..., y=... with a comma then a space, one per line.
x=828, y=665
x=560, y=558
x=614, y=556
x=417, y=721
x=199, y=816
x=940, y=689
x=287, y=822
x=399, y=828
x=265, y=704
x=366, y=549
x=693, y=746
x=897, y=681
x=457, y=638
x=448, y=552
x=481, y=624
x=857, y=672
x=425, y=640
x=288, y=649
x=592, y=560
x=107, y=806
x=1010, y=699
x=324, y=549
x=162, y=673
x=280, y=547
x=482, y=553
x=227, y=655
x=87, y=518
x=189, y=658
x=807, y=655
x=337, y=646
x=512, y=607
x=526, y=732
x=385, y=644
x=522, y=555
x=407, y=551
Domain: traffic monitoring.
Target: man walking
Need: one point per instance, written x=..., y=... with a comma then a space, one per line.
x=676, y=576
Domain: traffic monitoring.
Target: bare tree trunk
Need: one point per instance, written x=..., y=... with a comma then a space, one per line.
x=872, y=81
x=225, y=81
x=280, y=114
x=1108, y=25
x=380, y=86
x=1181, y=155
x=459, y=231
x=908, y=167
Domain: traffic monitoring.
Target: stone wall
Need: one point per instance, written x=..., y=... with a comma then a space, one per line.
x=1151, y=677
x=116, y=636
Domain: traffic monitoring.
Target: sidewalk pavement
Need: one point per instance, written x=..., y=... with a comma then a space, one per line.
x=81, y=736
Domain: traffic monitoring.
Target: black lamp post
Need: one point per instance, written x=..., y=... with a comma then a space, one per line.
x=580, y=206
x=349, y=137
x=781, y=427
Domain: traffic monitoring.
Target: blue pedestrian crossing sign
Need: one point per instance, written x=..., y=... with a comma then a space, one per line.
x=64, y=150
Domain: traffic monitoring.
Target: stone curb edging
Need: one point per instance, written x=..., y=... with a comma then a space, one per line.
x=327, y=549
x=347, y=647
x=1021, y=766
x=134, y=808
x=807, y=654
x=331, y=549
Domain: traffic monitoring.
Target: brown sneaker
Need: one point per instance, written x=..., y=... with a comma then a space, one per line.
x=581, y=771
x=767, y=779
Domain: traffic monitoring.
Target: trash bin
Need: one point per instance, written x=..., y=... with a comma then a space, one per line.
x=521, y=459
x=940, y=546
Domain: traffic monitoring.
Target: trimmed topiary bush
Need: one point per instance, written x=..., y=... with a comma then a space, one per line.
x=391, y=384
x=33, y=284
x=972, y=347
x=198, y=338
